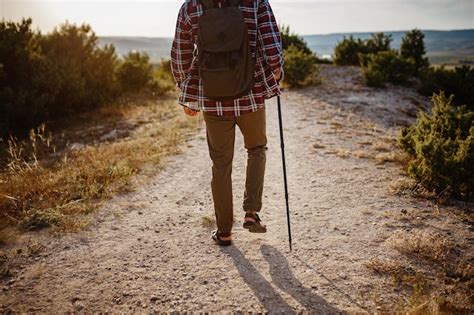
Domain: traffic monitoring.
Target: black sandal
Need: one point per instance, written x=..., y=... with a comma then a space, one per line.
x=217, y=238
x=252, y=222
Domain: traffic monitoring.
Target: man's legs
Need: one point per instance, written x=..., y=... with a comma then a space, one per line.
x=220, y=139
x=253, y=128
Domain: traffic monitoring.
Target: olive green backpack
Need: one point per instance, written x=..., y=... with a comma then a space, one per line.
x=226, y=67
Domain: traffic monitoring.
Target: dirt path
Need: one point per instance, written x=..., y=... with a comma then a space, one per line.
x=150, y=251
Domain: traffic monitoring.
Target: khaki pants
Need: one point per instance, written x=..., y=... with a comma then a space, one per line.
x=220, y=139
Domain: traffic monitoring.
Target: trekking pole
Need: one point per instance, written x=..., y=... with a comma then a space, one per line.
x=284, y=169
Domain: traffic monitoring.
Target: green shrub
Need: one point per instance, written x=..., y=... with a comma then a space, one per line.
x=378, y=42
x=24, y=84
x=82, y=73
x=46, y=77
x=289, y=38
x=349, y=51
x=51, y=76
x=458, y=81
x=163, y=80
x=441, y=147
x=386, y=66
x=413, y=46
x=135, y=72
x=300, y=68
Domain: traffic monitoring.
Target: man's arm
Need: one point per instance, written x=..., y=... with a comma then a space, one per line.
x=270, y=38
x=182, y=48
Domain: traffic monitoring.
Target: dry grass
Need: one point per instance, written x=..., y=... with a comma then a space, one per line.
x=366, y=211
x=7, y=235
x=208, y=222
x=383, y=146
x=394, y=157
x=424, y=244
x=449, y=294
x=346, y=153
x=385, y=266
x=410, y=215
x=35, y=271
x=318, y=146
x=403, y=186
x=36, y=195
x=336, y=125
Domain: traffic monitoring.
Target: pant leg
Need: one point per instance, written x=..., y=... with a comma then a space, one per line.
x=220, y=133
x=253, y=128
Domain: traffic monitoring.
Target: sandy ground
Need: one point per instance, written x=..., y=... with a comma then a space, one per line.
x=150, y=251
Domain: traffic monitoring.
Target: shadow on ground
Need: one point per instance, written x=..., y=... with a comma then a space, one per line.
x=283, y=278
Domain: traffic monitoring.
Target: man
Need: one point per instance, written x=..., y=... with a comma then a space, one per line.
x=221, y=117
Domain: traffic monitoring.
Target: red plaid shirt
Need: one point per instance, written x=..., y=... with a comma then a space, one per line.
x=266, y=48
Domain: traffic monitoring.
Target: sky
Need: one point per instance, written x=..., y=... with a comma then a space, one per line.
x=157, y=18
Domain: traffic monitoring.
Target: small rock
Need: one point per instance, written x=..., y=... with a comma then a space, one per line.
x=109, y=136
x=76, y=146
x=79, y=305
x=153, y=298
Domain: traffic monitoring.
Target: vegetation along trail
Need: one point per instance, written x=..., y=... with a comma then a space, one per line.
x=352, y=231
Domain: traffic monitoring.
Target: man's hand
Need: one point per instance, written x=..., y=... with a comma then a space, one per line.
x=277, y=75
x=190, y=112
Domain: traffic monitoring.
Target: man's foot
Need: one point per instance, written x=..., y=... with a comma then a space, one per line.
x=253, y=223
x=222, y=239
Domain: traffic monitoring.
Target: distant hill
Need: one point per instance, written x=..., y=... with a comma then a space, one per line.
x=156, y=47
x=442, y=46
x=450, y=47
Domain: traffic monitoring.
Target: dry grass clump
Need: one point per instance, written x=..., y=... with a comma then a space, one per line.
x=395, y=157
x=34, y=194
x=425, y=244
x=384, y=266
x=7, y=235
x=208, y=222
x=383, y=146
x=399, y=273
x=319, y=146
x=346, y=153
x=403, y=186
x=448, y=293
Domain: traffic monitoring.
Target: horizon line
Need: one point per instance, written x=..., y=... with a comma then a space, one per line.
x=315, y=34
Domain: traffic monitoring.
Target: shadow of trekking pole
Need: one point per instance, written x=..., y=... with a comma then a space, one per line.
x=262, y=289
x=283, y=277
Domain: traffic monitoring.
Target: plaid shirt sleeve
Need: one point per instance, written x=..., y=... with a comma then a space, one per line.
x=182, y=48
x=269, y=36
